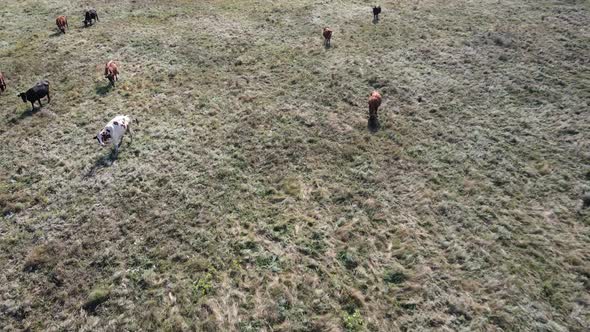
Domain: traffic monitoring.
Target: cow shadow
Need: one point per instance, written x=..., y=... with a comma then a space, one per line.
x=327, y=46
x=373, y=124
x=101, y=162
x=55, y=34
x=375, y=20
x=103, y=89
x=25, y=114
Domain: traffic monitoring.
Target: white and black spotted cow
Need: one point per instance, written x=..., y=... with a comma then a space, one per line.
x=114, y=131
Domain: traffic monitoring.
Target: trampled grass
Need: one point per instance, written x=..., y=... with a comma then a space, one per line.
x=253, y=197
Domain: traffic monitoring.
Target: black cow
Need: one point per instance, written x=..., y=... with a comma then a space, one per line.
x=40, y=90
x=89, y=16
x=376, y=12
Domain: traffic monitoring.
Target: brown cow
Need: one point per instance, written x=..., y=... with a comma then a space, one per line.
x=62, y=23
x=2, y=83
x=111, y=72
x=327, y=32
x=374, y=103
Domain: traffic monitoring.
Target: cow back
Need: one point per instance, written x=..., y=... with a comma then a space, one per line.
x=41, y=89
x=110, y=69
x=374, y=100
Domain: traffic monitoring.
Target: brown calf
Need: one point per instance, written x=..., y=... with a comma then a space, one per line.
x=62, y=23
x=327, y=32
x=2, y=83
x=111, y=72
x=374, y=103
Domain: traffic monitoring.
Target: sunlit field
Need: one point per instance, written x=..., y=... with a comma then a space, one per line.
x=253, y=197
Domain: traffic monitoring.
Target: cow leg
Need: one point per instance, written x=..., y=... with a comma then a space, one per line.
x=130, y=132
x=32, y=105
x=48, y=98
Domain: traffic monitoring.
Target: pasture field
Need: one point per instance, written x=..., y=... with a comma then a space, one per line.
x=253, y=197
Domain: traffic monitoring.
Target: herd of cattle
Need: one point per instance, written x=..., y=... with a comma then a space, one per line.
x=114, y=131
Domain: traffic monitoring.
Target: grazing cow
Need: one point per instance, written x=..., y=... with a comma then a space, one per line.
x=374, y=103
x=62, y=23
x=327, y=32
x=376, y=12
x=2, y=83
x=114, y=131
x=89, y=16
x=111, y=72
x=40, y=90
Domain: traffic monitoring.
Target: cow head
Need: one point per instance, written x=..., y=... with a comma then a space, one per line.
x=103, y=137
x=373, y=113
x=111, y=77
x=23, y=96
x=87, y=18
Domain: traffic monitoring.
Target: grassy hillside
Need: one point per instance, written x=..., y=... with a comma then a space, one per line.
x=254, y=198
